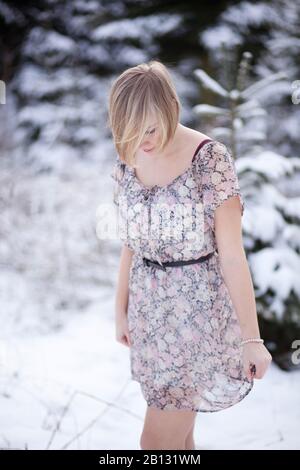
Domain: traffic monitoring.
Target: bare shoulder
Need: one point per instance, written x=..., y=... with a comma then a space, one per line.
x=191, y=141
x=195, y=137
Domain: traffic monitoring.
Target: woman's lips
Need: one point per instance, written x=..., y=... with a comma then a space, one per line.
x=148, y=150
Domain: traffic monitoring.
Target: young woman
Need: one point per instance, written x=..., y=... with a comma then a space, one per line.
x=185, y=302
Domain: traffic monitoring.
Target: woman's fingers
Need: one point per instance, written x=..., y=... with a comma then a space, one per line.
x=259, y=369
x=122, y=332
x=256, y=360
x=126, y=339
x=248, y=373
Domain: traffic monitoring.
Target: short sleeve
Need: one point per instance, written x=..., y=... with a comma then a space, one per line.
x=117, y=175
x=219, y=178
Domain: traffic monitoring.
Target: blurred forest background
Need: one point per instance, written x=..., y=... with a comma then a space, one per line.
x=236, y=66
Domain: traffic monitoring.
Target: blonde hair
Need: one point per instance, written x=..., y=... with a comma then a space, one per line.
x=139, y=90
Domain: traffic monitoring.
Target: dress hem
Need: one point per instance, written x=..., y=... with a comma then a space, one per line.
x=197, y=410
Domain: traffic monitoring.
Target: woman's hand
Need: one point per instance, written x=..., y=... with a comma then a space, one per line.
x=122, y=331
x=258, y=355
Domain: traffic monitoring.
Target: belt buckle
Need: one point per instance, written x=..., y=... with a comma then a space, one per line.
x=157, y=265
x=160, y=266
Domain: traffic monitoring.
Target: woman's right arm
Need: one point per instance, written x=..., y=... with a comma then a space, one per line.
x=122, y=296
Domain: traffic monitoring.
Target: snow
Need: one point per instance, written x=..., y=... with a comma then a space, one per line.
x=268, y=163
x=129, y=55
x=11, y=15
x=72, y=390
x=247, y=13
x=141, y=28
x=217, y=35
x=50, y=256
x=275, y=269
x=239, y=22
x=248, y=106
x=208, y=110
x=210, y=84
x=268, y=84
x=264, y=222
x=35, y=82
x=49, y=42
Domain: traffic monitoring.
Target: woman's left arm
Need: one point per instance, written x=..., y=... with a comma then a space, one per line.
x=237, y=276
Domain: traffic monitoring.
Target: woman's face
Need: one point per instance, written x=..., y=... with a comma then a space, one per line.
x=150, y=141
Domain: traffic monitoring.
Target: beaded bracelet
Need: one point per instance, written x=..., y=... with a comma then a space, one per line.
x=252, y=340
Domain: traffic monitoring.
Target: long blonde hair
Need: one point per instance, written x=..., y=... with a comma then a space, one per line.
x=145, y=88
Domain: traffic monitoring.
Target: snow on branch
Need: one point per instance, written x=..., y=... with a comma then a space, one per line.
x=208, y=110
x=210, y=84
x=262, y=84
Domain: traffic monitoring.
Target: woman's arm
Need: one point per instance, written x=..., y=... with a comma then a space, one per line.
x=122, y=292
x=234, y=265
x=122, y=295
x=236, y=273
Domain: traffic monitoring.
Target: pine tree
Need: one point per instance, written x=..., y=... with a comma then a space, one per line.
x=271, y=30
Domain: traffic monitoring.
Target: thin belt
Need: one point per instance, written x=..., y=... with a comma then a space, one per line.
x=163, y=265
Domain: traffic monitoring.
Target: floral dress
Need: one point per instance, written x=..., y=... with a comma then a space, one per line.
x=185, y=335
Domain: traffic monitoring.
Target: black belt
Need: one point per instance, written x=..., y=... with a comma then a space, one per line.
x=163, y=265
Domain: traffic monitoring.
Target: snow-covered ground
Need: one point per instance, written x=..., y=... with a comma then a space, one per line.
x=72, y=389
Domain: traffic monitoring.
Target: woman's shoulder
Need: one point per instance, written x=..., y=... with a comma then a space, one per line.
x=211, y=150
x=199, y=140
x=195, y=136
x=212, y=156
